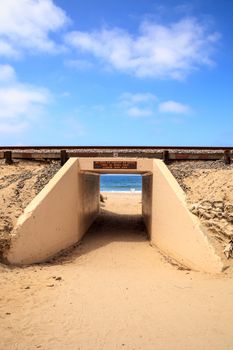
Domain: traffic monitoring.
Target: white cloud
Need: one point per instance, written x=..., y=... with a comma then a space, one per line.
x=148, y=104
x=137, y=104
x=128, y=97
x=20, y=103
x=160, y=51
x=27, y=24
x=139, y=112
x=21, y=100
x=7, y=73
x=174, y=107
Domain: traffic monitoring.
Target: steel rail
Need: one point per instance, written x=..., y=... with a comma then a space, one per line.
x=166, y=153
x=116, y=147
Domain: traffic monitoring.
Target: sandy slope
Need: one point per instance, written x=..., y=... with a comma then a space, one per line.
x=19, y=184
x=115, y=292
x=209, y=194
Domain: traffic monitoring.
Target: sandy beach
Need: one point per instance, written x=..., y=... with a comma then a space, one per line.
x=114, y=291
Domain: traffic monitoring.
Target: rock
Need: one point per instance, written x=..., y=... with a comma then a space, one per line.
x=228, y=250
x=102, y=198
x=57, y=278
x=201, y=212
x=229, y=208
x=193, y=208
x=230, y=218
x=206, y=215
x=206, y=205
x=218, y=205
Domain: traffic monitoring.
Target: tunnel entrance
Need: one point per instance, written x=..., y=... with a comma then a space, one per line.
x=126, y=189
x=120, y=217
x=61, y=214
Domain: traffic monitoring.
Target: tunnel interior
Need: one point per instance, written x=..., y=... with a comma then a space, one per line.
x=120, y=216
x=118, y=175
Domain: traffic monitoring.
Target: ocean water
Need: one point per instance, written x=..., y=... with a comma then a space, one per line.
x=120, y=183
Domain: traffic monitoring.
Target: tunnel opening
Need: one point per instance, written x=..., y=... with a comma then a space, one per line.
x=121, y=183
x=120, y=215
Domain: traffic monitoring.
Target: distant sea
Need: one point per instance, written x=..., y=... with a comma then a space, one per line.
x=120, y=183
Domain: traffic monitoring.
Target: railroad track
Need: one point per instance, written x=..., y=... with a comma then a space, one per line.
x=167, y=153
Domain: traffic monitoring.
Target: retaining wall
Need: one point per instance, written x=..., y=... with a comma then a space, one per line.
x=57, y=217
x=175, y=230
x=88, y=195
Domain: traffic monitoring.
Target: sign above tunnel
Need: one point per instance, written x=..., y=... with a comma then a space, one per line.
x=115, y=165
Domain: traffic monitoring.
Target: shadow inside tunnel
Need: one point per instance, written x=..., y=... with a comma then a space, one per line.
x=107, y=228
x=119, y=227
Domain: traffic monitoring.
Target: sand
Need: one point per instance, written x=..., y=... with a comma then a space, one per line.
x=114, y=291
x=19, y=184
x=209, y=194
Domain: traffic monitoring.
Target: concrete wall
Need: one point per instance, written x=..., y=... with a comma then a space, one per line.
x=57, y=217
x=88, y=201
x=144, y=165
x=175, y=230
x=147, y=186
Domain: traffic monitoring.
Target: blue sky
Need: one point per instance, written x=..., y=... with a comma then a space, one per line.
x=116, y=72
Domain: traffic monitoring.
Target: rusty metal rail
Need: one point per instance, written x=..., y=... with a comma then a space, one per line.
x=167, y=153
x=211, y=148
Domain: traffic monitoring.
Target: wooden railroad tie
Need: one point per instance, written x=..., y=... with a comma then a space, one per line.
x=8, y=157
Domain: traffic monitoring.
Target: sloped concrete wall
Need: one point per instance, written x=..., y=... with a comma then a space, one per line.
x=57, y=217
x=147, y=191
x=175, y=230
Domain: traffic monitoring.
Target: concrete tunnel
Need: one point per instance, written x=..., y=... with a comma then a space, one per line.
x=62, y=212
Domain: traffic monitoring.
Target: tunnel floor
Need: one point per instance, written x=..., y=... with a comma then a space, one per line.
x=110, y=227
x=120, y=220
x=118, y=226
